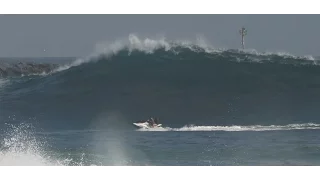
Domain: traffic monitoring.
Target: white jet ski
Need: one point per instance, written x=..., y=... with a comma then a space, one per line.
x=146, y=125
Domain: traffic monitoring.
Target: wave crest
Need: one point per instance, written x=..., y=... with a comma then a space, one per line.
x=149, y=46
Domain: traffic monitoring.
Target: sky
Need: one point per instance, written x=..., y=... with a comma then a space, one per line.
x=77, y=35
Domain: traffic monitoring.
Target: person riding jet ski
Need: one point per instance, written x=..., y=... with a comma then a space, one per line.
x=152, y=122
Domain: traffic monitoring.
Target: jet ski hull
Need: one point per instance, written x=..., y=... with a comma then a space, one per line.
x=146, y=125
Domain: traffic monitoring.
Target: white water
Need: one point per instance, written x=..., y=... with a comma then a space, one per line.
x=20, y=147
x=240, y=128
x=149, y=45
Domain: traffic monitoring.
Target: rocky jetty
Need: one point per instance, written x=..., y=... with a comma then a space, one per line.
x=8, y=69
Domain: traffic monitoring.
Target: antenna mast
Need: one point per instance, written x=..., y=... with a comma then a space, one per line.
x=242, y=32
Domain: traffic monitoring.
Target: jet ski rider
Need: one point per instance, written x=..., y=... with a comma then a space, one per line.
x=153, y=121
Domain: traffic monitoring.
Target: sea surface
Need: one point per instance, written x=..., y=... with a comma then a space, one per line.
x=217, y=106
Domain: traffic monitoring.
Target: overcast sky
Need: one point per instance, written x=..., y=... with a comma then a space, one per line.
x=77, y=35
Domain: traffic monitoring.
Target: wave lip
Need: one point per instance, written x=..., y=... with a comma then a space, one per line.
x=149, y=46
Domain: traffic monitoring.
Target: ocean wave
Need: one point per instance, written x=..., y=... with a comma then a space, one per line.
x=150, y=46
x=23, y=145
x=105, y=51
x=179, y=82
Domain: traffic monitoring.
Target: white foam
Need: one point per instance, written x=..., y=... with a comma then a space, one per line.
x=113, y=145
x=20, y=147
x=154, y=129
x=108, y=49
x=241, y=128
x=283, y=54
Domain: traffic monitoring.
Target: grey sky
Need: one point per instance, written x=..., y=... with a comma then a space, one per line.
x=76, y=35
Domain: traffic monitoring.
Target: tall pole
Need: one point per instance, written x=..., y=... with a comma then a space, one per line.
x=242, y=32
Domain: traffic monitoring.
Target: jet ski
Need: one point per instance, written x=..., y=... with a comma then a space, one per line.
x=146, y=125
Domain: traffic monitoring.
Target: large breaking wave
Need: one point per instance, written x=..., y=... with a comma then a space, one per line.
x=180, y=82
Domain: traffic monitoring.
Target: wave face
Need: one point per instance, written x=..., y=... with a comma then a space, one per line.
x=180, y=83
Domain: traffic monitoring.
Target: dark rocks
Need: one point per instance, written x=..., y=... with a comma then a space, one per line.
x=8, y=69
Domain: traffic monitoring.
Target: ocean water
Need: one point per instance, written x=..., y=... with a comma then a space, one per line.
x=217, y=107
